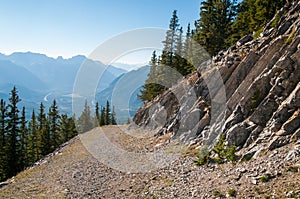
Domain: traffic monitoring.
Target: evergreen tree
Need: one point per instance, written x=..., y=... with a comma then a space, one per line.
x=23, y=141
x=128, y=120
x=102, y=117
x=166, y=75
x=213, y=27
x=252, y=17
x=13, y=133
x=53, y=117
x=179, y=60
x=3, y=155
x=66, y=130
x=85, y=122
x=43, y=133
x=189, y=64
x=151, y=88
x=97, y=115
x=107, y=114
x=72, y=132
x=113, y=116
x=169, y=43
x=32, y=149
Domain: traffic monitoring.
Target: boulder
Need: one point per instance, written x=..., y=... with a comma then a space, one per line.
x=237, y=135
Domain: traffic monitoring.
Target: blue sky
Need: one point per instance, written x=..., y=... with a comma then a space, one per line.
x=72, y=27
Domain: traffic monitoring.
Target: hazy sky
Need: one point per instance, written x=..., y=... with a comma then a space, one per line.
x=72, y=27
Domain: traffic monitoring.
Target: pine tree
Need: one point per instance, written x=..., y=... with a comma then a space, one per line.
x=53, y=117
x=189, y=64
x=128, y=120
x=169, y=43
x=213, y=27
x=64, y=128
x=23, y=141
x=113, y=116
x=72, y=132
x=43, y=133
x=252, y=17
x=179, y=60
x=3, y=155
x=166, y=75
x=97, y=115
x=32, y=149
x=102, y=117
x=13, y=133
x=107, y=114
x=85, y=122
x=151, y=88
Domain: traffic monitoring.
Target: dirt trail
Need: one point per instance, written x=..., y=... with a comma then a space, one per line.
x=72, y=172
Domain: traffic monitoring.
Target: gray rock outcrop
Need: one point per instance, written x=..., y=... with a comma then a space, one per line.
x=261, y=78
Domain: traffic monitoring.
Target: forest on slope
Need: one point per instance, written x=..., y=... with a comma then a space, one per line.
x=221, y=24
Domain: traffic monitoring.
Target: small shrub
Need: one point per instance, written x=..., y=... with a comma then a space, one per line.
x=291, y=37
x=293, y=169
x=203, y=156
x=264, y=178
x=254, y=100
x=223, y=152
x=276, y=20
x=217, y=193
x=257, y=33
x=231, y=192
x=257, y=190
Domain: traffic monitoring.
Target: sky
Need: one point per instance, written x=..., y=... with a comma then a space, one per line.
x=71, y=27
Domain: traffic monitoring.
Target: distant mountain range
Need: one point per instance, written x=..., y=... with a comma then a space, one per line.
x=40, y=78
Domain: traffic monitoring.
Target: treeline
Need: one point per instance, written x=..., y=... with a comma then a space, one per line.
x=221, y=24
x=103, y=116
x=22, y=141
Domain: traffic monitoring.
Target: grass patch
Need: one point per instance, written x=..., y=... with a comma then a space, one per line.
x=276, y=20
x=217, y=193
x=289, y=40
x=293, y=169
x=257, y=33
x=264, y=178
x=232, y=192
x=258, y=191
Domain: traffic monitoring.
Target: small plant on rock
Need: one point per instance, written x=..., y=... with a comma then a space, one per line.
x=291, y=37
x=220, y=153
x=223, y=152
x=203, y=156
x=231, y=192
x=264, y=178
x=217, y=193
x=293, y=169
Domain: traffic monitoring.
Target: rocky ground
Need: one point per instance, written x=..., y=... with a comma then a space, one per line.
x=72, y=172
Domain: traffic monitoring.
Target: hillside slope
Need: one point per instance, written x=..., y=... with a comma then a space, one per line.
x=72, y=172
x=250, y=93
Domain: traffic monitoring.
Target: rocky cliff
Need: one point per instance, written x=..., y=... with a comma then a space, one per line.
x=257, y=105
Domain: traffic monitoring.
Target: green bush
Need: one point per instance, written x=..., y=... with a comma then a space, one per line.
x=264, y=178
x=231, y=192
x=203, y=156
x=224, y=153
x=257, y=33
x=221, y=153
x=293, y=169
x=276, y=20
x=217, y=193
x=291, y=37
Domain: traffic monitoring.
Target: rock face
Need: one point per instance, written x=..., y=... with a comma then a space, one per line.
x=261, y=80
